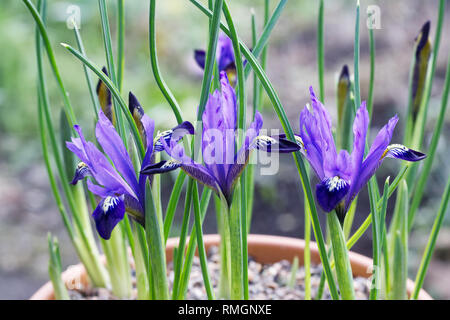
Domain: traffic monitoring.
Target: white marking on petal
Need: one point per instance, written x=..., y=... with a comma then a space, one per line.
x=396, y=150
x=300, y=143
x=157, y=141
x=263, y=142
x=169, y=164
x=335, y=183
x=109, y=202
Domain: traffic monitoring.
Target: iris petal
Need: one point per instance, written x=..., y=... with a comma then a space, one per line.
x=271, y=144
x=330, y=192
x=137, y=112
x=102, y=170
x=193, y=169
x=161, y=167
x=82, y=171
x=225, y=52
x=402, y=152
x=109, y=212
x=200, y=58
x=104, y=97
x=372, y=160
x=176, y=134
x=113, y=146
x=135, y=209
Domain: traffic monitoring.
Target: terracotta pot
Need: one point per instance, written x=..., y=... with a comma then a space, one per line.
x=262, y=248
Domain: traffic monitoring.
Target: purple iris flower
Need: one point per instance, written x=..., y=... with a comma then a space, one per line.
x=343, y=175
x=114, y=176
x=223, y=163
x=224, y=56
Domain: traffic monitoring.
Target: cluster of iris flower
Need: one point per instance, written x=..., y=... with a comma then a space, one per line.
x=115, y=180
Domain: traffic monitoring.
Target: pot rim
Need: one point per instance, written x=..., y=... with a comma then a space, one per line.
x=279, y=248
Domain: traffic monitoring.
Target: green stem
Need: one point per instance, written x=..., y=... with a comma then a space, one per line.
x=51, y=57
x=426, y=258
x=84, y=244
x=156, y=189
x=192, y=246
x=307, y=251
x=173, y=202
x=320, y=53
x=120, y=42
x=89, y=81
x=55, y=270
x=423, y=178
x=420, y=123
x=51, y=176
x=236, y=249
x=211, y=56
x=223, y=228
x=118, y=264
x=183, y=236
x=156, y=247
x=241, y=125
x=115, y=92
x=340, y=252
x=372, y=71
x=201, y=244
x=141, y=262
x=375, y=248
x=155, y=66
x=356, y=60
x=111, y=67
x=398, y=245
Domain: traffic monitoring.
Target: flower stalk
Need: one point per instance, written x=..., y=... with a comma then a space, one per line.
x=157, y=254
x=340, y=253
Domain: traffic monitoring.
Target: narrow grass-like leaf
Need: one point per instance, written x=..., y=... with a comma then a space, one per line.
x=375, y=248
x=155, y=66
x=320, y=53
x=293, y=274
x=83, y=241
x=365, y=225
x=372, y=69
x=426, y=258
x=89, y=81
x=422, y=116
x=206, y=195
x=51, y=57
x=51, y=176
x=183, y=236
x=340, y=253
x=398, y=245
x=120, y=42
x=172, y=204
x=423, y=178
x=241, y=125
x=114, y=91
x=111, y=66
x=421, y=121
x=383, y=237
x=356, y=59
x=417, y=79
x=201, y=245
x=156, y=247
x=140, y=265
x=55, y=269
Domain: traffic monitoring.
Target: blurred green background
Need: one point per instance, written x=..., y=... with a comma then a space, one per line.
x=27, y=211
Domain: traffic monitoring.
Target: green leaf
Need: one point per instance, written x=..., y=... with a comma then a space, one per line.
x=55, y=269
x=398, y=246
